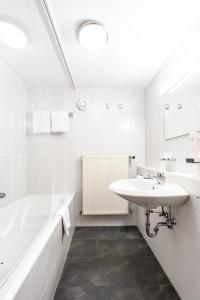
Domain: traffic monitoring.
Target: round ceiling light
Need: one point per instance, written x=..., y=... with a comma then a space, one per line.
x=12, y=36
x=92, y=35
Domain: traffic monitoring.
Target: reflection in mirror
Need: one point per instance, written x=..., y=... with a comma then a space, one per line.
x=182, y=107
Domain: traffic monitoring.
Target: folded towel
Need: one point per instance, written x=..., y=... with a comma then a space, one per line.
x=59, y=122
x=63, y=212
x=66, y=223
x=41, y=121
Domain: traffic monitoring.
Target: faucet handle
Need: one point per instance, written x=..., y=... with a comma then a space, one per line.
x=160, y=174
x=161, y=177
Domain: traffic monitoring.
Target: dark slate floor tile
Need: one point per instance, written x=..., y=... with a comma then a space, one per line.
x=82, y=248
x=160, y=292
x=115, y=272
x=78, y=272
x=118, y=293
x=96, y=232
x=148, y=272
x=129, y=232
x=107, y=271
x=121, y=247
x=112, y=263
x=76, y=293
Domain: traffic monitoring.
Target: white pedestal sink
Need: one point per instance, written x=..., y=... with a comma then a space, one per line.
x=148, y=193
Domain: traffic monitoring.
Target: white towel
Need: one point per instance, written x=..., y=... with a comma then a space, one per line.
x=59, y=122
x=41, y=121
x=66, y=222
x=63, y=212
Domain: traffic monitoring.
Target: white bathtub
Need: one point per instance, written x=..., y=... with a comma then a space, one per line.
x=34, y=244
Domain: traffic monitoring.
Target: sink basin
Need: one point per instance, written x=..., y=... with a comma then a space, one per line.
x=148, y=193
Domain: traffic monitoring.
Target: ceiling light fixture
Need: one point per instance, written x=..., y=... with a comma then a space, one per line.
x=92, y=35
x=12, y=35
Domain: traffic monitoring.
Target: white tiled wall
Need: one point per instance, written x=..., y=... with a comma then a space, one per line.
x=96, y=131
x=155, y=141
x=13, y=148
x=177, y=250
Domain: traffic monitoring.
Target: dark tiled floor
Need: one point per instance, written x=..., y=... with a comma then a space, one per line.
x=112, y=263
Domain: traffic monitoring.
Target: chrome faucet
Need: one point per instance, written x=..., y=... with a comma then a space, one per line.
x=160, y=177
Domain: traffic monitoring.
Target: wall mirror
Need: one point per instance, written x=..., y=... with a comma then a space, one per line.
x=182, y=106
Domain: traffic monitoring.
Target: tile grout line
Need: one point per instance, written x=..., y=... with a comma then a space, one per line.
x=96, y=287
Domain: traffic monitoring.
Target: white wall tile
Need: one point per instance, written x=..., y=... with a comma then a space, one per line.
x=177, y=250
x=95, y=131
x=13, y=150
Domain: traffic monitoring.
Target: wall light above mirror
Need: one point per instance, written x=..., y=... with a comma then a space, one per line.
x=183, y=60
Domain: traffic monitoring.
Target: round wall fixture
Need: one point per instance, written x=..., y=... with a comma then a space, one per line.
x=179, y=106
x=82, y=105
x=167, y=106
x=92, y=35
x=12, y=35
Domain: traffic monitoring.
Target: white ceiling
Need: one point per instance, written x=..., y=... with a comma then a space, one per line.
x=142, y=34
x=36, y=64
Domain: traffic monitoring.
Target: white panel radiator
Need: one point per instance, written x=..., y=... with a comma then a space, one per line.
x=98, y=172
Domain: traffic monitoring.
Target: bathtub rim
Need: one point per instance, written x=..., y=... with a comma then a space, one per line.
x=20, y=271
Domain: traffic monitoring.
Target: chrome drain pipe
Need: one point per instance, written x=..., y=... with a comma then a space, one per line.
x=148, y=225
x=170, y=222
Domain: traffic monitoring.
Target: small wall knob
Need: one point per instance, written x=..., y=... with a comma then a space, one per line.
x=131, y=156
